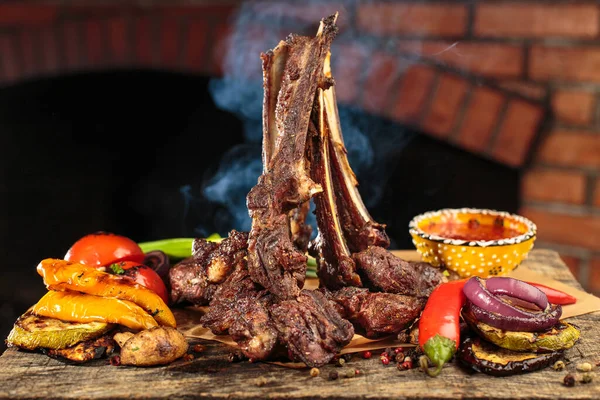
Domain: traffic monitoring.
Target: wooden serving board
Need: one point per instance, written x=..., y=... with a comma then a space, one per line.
x=27, y=375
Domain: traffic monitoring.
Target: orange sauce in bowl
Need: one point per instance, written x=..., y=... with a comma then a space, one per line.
x=471, y=231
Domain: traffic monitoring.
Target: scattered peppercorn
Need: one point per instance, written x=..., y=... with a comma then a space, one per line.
x=349, y=373
x=115, y=361
x=347, y=356
x=584, y=367
x=198, y=348
x=569, y=380
x=559, y=365
x=398, y=350
x=385, y=360
x=340, y=362
x=586, y=378
x=333, y=375
x=314, y=372
x=399, y=357
x=188, y=357
x=357, y=372
x=261, y=381
x=366, y=354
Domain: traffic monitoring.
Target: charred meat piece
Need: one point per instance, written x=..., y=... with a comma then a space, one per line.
x=273, y=259
x=240, y=309
x=377, y=314
x=285, y=184
x=385, y=272
x=311, y=327
x=196, y=278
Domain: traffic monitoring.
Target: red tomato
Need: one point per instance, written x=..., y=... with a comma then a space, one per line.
x=101, y=249
x=143, y=275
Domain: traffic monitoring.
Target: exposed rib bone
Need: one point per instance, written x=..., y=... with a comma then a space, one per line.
x=336, y=268
x=360, y=230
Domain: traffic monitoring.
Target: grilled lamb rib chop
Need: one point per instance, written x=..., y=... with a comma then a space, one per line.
x=273, y=260
x=351, y=247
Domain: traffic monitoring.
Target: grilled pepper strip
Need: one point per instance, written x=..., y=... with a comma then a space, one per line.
x=65, y=275
x=439, y=324
x=81, y=307
x=555, y=296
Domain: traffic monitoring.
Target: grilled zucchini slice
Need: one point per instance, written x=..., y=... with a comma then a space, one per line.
x=31, y=332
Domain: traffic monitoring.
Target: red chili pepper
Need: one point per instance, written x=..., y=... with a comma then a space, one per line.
x=439, y=324
x=555, y=296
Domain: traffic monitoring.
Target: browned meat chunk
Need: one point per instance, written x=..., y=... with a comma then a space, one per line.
x=388, y=273
x=311, y=328
x=196, y=278
x=377, y=314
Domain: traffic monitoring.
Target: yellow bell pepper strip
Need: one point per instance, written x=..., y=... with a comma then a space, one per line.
x=66, y=275
x=81, y=307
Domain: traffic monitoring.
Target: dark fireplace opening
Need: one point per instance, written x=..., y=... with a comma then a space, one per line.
x=153, y=155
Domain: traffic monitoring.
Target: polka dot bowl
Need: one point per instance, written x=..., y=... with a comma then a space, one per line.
x=473, y=242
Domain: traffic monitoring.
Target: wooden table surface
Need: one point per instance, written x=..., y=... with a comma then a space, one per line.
x=25, y=375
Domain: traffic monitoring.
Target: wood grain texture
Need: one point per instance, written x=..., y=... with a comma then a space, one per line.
x=27, y=375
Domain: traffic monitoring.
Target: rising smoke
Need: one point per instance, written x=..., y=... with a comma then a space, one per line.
x=259, y=26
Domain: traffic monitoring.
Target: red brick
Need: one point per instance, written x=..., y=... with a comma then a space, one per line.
x=518, y=129
x=490, y=59
x=579, y=149
x=573, y=263
x=170, y=41
x=20, y=15
x=553, y=186
x=594, y=281
x=446, y=106
x=8, y=62
x=480, y=119
x=377, y=90
x=195, y=44
x=573, y=230
x=214, y=11
x=118, y=40
x=144, y=49
x=221, y=36
x=575, y=63
x=28, y=52
x=597, y=193
x=72, y=32
x=574, y=107
x=536, y=20
x=413, y=94
x=347, y=64
x=49, y=49
x=94, y=43
x=435, y=19
x=531, y=90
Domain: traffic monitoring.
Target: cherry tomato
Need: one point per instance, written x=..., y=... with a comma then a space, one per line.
x=101, y=249
x=142, y=274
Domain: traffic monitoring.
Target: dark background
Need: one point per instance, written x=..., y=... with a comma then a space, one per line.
x=131, y=151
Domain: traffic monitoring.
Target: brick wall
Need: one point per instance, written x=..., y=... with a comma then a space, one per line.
x=514, y=81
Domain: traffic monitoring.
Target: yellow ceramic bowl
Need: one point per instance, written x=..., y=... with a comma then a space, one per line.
x=473, y=242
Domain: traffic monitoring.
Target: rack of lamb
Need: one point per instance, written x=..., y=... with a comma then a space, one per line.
x=253, y=282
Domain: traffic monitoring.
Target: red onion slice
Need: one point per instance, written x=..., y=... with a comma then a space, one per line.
x=518, y=289
x=478, y=294
x=540, y=322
